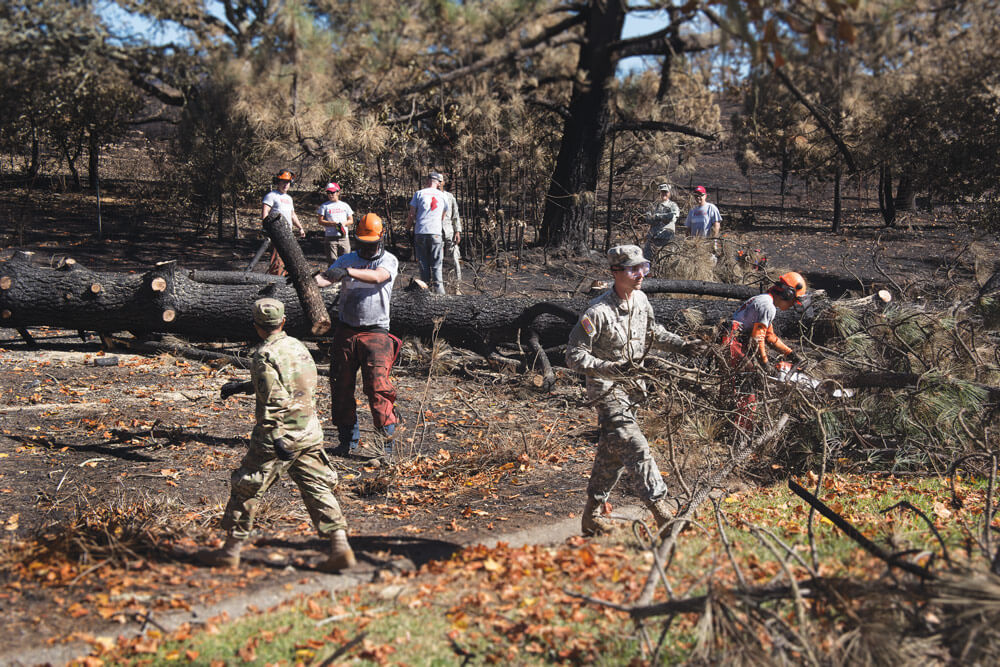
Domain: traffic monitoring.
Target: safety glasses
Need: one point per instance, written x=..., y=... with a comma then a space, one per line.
x=637, y=271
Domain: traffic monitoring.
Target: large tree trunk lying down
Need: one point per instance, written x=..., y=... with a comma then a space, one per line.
x=168, y=299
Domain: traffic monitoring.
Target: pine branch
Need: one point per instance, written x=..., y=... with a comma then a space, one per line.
x=662, y=41
x=661, y=126
x=553, y=37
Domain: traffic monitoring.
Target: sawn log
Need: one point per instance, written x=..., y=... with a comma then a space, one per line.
x=168, y=299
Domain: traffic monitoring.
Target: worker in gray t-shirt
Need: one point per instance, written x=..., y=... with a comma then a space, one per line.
x=362, y=339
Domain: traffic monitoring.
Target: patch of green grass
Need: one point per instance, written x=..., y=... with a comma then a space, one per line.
x=518, y=606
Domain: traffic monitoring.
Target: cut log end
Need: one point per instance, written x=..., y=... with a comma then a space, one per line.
x=95, y=288
x=158, y=284
x=6, y=282
x=169, y=315
x=6, y=315
x=884, y=295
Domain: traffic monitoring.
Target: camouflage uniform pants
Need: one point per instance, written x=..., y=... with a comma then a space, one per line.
x=621, y=447
x=260, y=468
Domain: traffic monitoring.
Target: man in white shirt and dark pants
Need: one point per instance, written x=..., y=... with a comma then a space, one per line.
x=428, y=208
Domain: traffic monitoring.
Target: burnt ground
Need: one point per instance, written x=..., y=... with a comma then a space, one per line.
x=113, y=476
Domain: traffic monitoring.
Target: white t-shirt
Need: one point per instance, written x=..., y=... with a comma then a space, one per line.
x=431, y=207
x=334, y=211
x=283, y=202
x=701, y=218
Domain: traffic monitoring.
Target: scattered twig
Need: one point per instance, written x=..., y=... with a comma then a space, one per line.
x=855, y=535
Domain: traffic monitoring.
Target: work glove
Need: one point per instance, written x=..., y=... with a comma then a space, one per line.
x=235, y=387
x=619, y=367
x=335, y=274
x=794, y=358
x=694, y=347
x=281, y=449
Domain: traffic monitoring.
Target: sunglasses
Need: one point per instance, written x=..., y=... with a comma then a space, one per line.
x=634, y=271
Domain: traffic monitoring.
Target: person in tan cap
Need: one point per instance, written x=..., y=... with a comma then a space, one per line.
x=286, y=438
x=606, y=345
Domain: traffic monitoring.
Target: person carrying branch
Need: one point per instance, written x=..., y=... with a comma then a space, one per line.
x=288, y=438
x=748, y=335
x=362, y=339
x=607, y=345
x=280, y=199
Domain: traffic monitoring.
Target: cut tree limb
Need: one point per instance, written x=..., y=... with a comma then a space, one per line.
x=299, y=270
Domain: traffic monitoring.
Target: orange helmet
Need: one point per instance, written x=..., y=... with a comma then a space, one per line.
x=369, y=229
x=284, y=175
x=790, y=286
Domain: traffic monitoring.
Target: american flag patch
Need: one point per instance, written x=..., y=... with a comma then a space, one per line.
x=587, y=325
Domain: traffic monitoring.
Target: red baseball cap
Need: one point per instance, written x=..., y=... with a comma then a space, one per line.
x=701, y=190
x=333, y=187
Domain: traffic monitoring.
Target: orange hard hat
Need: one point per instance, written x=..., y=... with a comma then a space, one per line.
x=369, y=229
x=284, y=175
x=795, y=281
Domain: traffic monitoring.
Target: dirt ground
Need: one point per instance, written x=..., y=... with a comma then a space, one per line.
x=114, y=475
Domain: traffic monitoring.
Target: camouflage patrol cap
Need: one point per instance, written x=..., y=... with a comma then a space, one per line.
x=268, y=312
x=626, y=255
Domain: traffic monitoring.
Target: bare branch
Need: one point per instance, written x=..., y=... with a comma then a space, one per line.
x=661, y=126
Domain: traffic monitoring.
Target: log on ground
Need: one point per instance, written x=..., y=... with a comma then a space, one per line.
x=166, y=299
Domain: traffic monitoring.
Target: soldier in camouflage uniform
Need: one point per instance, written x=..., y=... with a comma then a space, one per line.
x=662, y=218
x=611, y=338
x=286, y=437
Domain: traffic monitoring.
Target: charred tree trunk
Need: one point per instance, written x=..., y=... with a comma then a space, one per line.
x=569, y=205
x=94, y=155
x=886, y=202
x=167, y=299
x=837, y=202
x=700, y=287
x=906, y=194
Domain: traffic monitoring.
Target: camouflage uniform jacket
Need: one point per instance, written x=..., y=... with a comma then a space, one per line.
x=452, y=222
x=284, y=378
x=611, y=331
x=662, y=218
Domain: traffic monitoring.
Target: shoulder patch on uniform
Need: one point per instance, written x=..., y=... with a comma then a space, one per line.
x=587, y=325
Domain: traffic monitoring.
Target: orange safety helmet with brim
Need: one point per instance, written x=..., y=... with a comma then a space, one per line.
x=369, y=232
x=284, y=175
x=790, y=287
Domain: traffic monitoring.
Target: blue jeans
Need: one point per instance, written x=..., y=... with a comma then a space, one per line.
x=430, y=254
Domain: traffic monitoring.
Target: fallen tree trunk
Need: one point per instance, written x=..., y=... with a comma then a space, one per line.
x=166, y=299
x=700, y=287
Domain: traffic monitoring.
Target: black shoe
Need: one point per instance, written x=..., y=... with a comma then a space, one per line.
x=343, y=451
